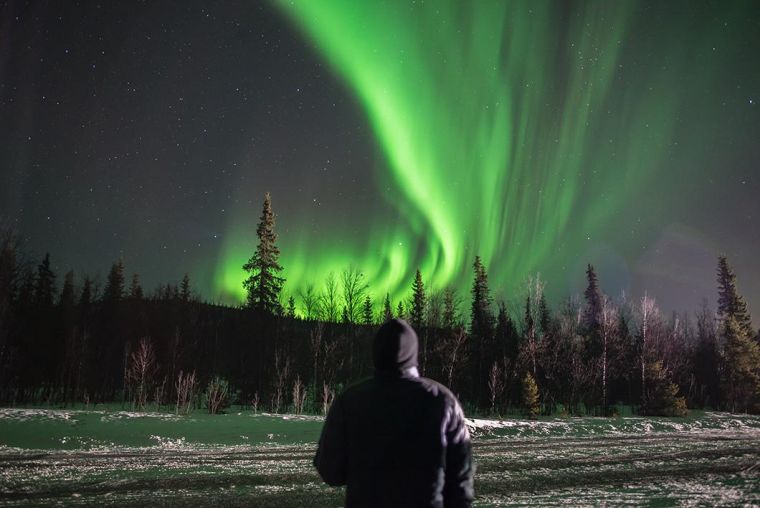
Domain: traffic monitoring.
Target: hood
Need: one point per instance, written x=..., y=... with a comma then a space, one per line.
x=395, y=347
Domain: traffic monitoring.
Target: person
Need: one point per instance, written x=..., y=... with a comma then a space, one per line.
x=397, y=439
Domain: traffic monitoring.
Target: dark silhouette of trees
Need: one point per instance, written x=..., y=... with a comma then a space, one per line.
x=44, y=285
x=481, y=325
x=135, y=289
x=367, y=312
x=417, y=310
x=353, y=290
x=387, y=312
x=264, y=284
x=586, y=355
x=185, y=291
x=328, y=300
x=114, y=289
x=310, y=300
x=593, y=305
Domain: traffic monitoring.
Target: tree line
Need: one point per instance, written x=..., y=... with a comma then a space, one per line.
x=170, y=349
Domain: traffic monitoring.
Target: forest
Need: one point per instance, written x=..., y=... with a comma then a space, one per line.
x=171, y=350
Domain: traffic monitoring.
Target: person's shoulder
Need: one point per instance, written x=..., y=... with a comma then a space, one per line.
x=438, y=389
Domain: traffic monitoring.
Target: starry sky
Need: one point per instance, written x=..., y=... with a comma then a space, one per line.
x=391, y=135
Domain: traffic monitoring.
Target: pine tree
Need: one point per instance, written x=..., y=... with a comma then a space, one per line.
x=449, y=309
x=593, y=302
x=661, y=396
x=481, y=325
x=291, y=307
x=114, y=290
x=135, y=289
x=529, y=323
x=417, y=312
x=67, y=292
x=506, y=335
x=544, y=316
x=44, y=285
x=264, y=284
x=481, y=318
x=530, y=396
x=730, y=303
x=387, y=312
x=741, y=377
x=185, y=291
x=85, y=298
x=400, y=310
x=367, y=310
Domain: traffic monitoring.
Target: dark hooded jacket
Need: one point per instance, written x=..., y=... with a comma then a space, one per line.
x=397, y=439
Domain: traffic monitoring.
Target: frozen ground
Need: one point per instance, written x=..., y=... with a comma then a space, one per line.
x=241, y=459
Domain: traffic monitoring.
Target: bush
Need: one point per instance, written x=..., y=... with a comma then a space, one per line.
x=661, y=396
x=217, y=395
x=530, y=396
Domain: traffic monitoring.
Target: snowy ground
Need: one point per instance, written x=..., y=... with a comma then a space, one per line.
x=241, y=459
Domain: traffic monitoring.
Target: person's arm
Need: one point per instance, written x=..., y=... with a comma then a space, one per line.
x=458, y=490
x=331, y=460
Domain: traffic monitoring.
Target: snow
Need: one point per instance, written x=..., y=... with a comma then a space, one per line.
x=69, y=456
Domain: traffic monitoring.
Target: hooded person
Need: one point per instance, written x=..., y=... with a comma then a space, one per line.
x=397, y=439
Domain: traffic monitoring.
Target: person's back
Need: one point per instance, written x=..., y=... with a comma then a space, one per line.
x=397, y=439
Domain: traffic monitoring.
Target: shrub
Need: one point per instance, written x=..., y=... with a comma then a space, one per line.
x=661, y=396
x=530, y=396
x=217, y=395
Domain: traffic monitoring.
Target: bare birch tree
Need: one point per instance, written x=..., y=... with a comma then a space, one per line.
x=647, y=309
x=354, y=288
x=607, y=325
x=140, y=372
x=328, y=300
x=495, y=384
x=452, y=352
x=281, y=372
x=299, y=395
x=185, y=387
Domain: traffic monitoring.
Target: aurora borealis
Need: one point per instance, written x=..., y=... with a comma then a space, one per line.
x=396, y=135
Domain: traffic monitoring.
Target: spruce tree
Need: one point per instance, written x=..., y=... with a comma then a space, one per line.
x=481, y=326
x=730, y=303
x=661, y=396
x=481, y=318
x=593, y=307
x=417, y=312
x=85, y=298
x=291, y=307
x=367, y=310
x=67, y=299
x=135, y=289
x=449, y=309
x=264, y=284
x=400, y=310
x=44, y=284
x=506, y=335
x=114, y=290
x=184, y=289
x=530, y=396
x=530, y=325
x=387, y=311
x=741, y=377
x=544, y=316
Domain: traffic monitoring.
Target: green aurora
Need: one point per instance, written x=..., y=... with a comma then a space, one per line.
x=529, y=133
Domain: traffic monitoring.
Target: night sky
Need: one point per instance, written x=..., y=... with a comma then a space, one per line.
x=391, y=135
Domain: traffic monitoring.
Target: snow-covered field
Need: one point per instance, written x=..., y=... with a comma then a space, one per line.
x=240, y=459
